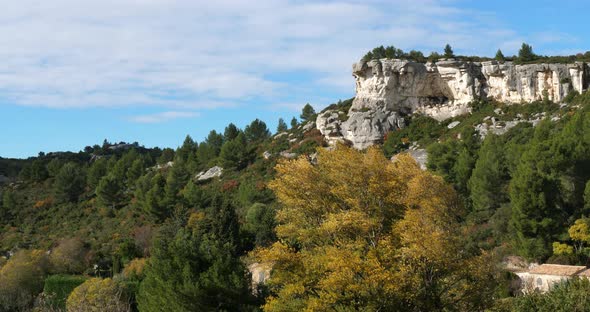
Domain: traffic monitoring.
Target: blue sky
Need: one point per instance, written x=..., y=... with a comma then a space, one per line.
x=73, y=73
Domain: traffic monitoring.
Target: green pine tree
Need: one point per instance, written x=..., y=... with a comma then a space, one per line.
x=294, y=123
x=526, y=54
x=236, y=153
x=449, y=51
x=109, y=191
x=282, y=126
x=488, y=181
x=231, y=132
x=196, y=268
x=307, y=113
x=500, y=56
x=256, y=131
x=69, y=183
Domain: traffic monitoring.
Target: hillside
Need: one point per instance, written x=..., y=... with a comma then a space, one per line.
x=509, y=170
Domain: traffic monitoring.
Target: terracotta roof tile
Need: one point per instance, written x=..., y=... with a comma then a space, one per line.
x=557, y=269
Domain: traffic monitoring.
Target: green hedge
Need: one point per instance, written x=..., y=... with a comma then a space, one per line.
x=59, y=287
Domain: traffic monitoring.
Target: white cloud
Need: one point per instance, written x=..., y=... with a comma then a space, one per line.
x=205, y=54
x=163, y=117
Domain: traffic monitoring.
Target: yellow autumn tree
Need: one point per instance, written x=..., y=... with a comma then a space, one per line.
x=580, y=233
x=358, y=232
x=98, y=295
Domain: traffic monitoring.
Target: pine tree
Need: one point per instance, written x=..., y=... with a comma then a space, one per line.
x=449, y=51
x=96, y=171
x=294, y=123
x=69, y=183
x=282, y=126
x=135, y=171
x=175, y=182
x=256, y=131
x=488, y=182
x=109, y=191
x=525, y=54
x=235, y=154
x=231, y=132
x=307, y=113
x=166, y=156
x=188, y=148
x=500, y=56
x=38, y=171
x=8, y=204
x=535, y=197
x=196, y=268
x=193, y=196
x=156, y=202
x=215, y=141
x=260, y=222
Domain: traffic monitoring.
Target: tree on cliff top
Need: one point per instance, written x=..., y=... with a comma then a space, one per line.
x=449, y=51
x=526, y=54
x=500, y=56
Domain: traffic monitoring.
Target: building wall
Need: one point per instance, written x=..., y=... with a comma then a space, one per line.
x=539, y=282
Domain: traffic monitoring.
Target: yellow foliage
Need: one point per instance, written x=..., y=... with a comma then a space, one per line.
x=580, y=231
x=21, y=279
x=358, y=232
x=44, y=203
x=562, y=249
x=194, y=219
x=97, y=295
x=135, y=268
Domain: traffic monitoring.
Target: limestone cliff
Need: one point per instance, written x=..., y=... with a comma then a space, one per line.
x=387, y=90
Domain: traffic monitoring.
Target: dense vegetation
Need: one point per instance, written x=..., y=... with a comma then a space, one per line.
x=125, y=228
x=525, y=56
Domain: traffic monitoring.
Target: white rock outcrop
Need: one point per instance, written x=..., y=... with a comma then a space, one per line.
x=210, y=174
x=388, y=89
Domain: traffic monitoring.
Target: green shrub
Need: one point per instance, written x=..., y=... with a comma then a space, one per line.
x=570, y=96
x=98, y=295
x=58, y=287
x=571, y=295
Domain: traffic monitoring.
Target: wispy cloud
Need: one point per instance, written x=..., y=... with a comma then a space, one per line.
x=163, y=117
x=105, y=53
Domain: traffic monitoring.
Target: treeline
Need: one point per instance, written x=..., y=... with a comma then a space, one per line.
x=525, y=56
x=107, y=217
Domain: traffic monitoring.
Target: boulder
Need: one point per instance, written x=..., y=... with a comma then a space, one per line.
x=453, y=124
x=419, y=155
x=210, y=174
x=288, y=155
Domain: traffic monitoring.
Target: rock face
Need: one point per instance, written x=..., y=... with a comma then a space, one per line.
x=210, y=174
x=387, y=90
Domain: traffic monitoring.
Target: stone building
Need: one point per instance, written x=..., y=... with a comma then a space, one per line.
x=543, y=277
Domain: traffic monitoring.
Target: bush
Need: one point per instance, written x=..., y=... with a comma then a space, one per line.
x=570, y=96
x=98, y=294
x=21, y=280
x=58, y=287
x=68, y=256
x=571, y=295
x=135, y=269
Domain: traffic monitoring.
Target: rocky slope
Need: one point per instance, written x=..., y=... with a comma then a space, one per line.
x=387, y=90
